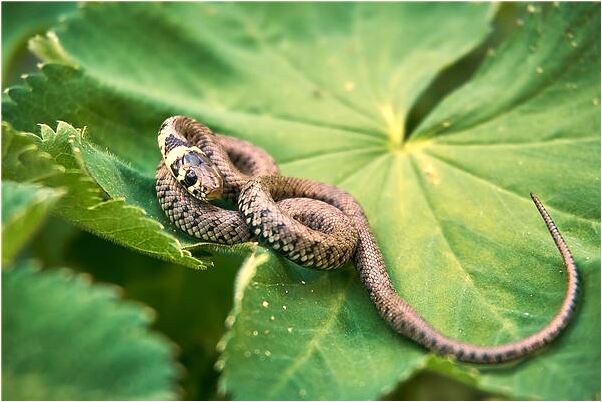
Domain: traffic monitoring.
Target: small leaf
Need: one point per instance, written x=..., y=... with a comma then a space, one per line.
x=19, y=22
x=64, y=338
x=49, y=48
x=24, y=207
x=55, y=160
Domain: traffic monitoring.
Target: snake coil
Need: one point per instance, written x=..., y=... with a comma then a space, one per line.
x=313, y=224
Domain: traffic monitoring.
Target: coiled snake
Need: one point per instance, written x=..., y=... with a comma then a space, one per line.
x=313, y=224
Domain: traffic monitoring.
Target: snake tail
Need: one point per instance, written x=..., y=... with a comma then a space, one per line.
x=405, y=320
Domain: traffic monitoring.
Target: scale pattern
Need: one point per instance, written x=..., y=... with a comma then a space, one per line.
x=319, y=226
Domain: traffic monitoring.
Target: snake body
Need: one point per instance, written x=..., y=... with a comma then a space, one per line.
x=311, y=223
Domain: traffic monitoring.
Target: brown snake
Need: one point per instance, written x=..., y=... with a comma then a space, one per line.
x=313, y=224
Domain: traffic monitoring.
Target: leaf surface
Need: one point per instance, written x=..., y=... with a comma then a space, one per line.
x=285, y=336
x=326, y=89
x=65, y=338
x=24, y=207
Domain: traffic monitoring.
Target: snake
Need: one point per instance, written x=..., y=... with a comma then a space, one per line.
x=313, y=224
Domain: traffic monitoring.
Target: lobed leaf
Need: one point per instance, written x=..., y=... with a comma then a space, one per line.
x=326, y=89
x=55, y=161
x=65, y=338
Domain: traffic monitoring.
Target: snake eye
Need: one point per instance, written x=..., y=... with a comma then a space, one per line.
x=192, y=159
x=190, y=178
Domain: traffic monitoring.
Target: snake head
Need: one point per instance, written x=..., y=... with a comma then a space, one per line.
x=195, y=171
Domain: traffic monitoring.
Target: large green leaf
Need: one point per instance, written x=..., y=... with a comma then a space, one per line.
x=24, y=207
x=63, y=338
x=508, y=132
x=326, y=89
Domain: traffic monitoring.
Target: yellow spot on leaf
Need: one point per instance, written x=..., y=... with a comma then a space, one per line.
x=430, y=171
x=395, y=124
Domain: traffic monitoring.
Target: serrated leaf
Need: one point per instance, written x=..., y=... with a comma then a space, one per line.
x=55, y=161
x=24, y=207
x=191, y=305
x=326, y=90
x=64, y=338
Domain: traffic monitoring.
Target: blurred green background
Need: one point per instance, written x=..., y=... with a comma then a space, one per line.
x=191, y=306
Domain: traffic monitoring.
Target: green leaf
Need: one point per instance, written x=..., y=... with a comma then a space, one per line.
x=191, y=305
x=541, y=134
x=65, y=338
x=571, y=369
x=19, y=22
x=55, y=161
x=287, y=337
x=24, y=207
x=326, y=89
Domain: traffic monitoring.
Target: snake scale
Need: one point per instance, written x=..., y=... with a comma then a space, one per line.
x=311, y=223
